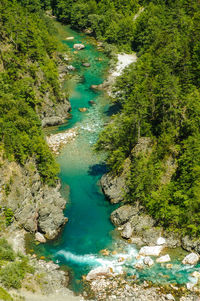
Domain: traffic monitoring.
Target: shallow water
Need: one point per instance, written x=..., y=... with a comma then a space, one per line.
x=89, y=229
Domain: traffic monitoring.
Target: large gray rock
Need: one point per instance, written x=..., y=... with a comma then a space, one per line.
x=191, y=258
x=113, y=187
x=100, y=271
x=190, y=244
x=121, y=215
x=151, y=251
x=127, y=231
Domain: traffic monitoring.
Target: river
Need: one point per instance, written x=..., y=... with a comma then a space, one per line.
x=89, y=229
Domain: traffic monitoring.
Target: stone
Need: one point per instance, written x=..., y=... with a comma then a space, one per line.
x=138, y=266
x=190, y=286
x=79, y=46
x=69, y=38
x=196, y=274
x=191, y=258
x=92, y=102
x=40, y=237
x=163, y=259
x=161, y=241
x=97, y=87
x=86, y=65
x=151, y=251
x=170, y=297
x=113, y=187
x=71, y=68
x=121, y=215
x=169, y=266
x=148, y=261
x=83, y=110
x=127, y=231
x=100, y=271
x=105, y=252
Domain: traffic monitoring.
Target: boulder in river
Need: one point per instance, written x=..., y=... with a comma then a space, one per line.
x=83, y=110
x=151, y=251
x=113, y=187
x=40, y=237
x=148, y=261
x=191, y=258
x=163, y=259
x=79, y=46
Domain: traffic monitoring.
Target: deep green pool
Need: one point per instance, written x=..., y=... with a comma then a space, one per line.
x=89, y=229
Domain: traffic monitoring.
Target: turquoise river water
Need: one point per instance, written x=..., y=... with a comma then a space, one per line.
x=89, y=229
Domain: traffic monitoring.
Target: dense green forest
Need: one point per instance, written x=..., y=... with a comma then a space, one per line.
x=159, y=98
x=27, y=71
x=159, y=95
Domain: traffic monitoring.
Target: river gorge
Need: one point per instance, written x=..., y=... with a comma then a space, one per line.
x=89, y=229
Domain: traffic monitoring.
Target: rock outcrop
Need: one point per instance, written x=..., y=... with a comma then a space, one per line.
x=36, y=207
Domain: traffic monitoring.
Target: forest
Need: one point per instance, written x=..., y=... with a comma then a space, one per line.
x=27, y=71
x=159, y=98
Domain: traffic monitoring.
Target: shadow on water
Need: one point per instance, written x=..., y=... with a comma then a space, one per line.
x=98, y=169
x=114, y=109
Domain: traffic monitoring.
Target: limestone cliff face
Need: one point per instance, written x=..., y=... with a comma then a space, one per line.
x=36, y=207
x=54, y=109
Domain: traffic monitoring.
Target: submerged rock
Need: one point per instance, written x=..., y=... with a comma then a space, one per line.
x=191, y=258
x=83, y=110
x=92, y=102
x=86, y=64
x=79, y=46
x=151, y=251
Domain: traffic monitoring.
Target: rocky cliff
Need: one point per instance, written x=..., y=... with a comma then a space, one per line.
x=36, y=207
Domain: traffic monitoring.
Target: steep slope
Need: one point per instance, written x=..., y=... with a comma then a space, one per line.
x=31, y=96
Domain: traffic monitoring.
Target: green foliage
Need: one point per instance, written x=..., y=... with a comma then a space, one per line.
x=4, y=295
x=13, y=273
x=160, y=99
x=112, y=21
x=9, y=216
x=6, y=252
x=28, y=71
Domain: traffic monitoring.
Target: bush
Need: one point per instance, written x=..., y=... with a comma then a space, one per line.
x=12, y=274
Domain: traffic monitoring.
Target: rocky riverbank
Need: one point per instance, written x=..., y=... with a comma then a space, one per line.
x=110, y=287
x=47, y=281
x=56, y=141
